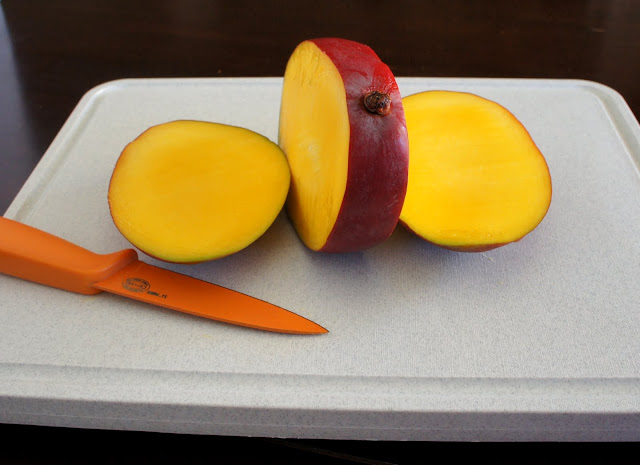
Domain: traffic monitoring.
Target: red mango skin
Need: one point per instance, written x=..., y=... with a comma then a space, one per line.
x=378, y=150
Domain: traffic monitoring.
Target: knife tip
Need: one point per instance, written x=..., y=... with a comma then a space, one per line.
x=313, y=329
x=306, y=327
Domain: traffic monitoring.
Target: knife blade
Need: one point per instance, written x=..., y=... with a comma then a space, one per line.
x=34, y=255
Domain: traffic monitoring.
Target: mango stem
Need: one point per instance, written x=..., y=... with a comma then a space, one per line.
x=377, y=102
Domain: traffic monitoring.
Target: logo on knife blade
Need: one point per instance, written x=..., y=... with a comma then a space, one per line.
x=135, y=284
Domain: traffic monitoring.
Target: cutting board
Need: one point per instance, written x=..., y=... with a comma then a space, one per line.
x=537, y=340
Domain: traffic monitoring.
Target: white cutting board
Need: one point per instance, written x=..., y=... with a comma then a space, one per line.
x=537, y=340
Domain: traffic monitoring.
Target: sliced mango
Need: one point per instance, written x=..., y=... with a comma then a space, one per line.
x=192, y=191
x=342, y=129
x=476, y=178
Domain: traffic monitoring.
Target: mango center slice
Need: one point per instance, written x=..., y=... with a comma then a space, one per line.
x=476, y=178
x=314, y=133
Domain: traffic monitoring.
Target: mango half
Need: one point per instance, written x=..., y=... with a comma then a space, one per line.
x=477, y=180
x=193, y=191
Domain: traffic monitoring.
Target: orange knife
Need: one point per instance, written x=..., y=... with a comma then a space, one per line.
x=35, y=255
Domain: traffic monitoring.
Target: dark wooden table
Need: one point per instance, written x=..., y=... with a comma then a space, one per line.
x=52, y=52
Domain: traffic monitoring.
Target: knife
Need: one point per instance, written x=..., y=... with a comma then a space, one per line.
x=34, y=255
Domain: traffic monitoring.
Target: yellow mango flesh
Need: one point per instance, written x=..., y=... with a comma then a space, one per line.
x=314, y=133
x=476, y=178
x=191, y=191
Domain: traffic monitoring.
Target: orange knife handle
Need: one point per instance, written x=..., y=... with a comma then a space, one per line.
x=35, y=255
